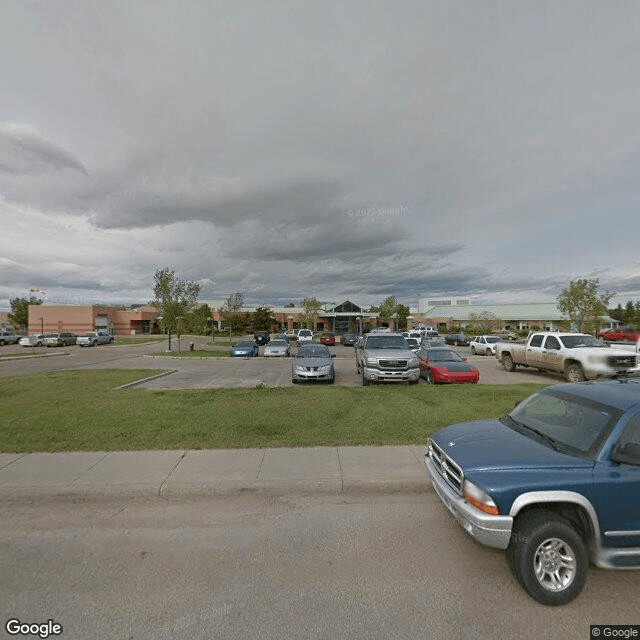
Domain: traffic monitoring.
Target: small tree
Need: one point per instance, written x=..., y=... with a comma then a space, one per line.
x=19, y=313
x=263, y=319
x=199, y=320
x=234, y=302
x=311, y=307
x=387, y=309
x=584, y=306
x=175, y=299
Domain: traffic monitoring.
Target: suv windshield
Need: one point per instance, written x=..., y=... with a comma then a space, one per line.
x=386, y=342
x=568, y=423
x=580, y=340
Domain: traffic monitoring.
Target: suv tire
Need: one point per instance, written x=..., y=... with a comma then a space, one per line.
x=548, y=557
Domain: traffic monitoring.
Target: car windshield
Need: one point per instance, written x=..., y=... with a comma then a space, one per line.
x=243, y=345
x=492, y=339
x=277, y=343
x=442, y=355
x=567, y=423
x=316, y=351
x=581, y=340
x=386, y=342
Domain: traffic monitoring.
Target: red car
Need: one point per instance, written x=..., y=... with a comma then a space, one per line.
x=328, y=338
x=445, y=365
x=621, y=333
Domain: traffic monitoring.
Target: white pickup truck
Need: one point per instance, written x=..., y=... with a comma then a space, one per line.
x=578, y=356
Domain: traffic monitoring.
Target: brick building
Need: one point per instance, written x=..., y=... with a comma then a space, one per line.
x=118, y=320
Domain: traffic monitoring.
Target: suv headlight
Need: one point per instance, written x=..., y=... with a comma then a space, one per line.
x=371, y=362
x=480, y=499
x=412, y=362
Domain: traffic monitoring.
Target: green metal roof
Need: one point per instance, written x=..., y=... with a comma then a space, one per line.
x=509, y=312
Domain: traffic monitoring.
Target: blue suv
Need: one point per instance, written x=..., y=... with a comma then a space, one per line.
x=556, y=483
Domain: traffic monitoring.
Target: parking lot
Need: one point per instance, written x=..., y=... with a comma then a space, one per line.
x=203, y=373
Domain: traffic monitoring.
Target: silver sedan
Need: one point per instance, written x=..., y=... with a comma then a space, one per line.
x=277, y=348
x=313, y=362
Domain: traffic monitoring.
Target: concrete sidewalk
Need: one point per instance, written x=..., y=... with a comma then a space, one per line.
x=211, y=472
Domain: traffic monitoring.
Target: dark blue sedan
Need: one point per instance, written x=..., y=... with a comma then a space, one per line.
x=244, y=349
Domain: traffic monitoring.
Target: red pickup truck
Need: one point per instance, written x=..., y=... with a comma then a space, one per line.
x=626, y=334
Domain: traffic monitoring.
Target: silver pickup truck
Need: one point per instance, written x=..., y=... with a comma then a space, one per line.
x=386, y=357
x=578, y=356
x=94, y=338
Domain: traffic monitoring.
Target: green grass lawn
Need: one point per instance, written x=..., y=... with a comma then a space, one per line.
x=82, y=411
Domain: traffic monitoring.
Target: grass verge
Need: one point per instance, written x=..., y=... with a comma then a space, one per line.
x=81, y=411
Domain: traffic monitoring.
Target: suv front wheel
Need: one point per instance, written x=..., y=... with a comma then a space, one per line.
x=548, y=558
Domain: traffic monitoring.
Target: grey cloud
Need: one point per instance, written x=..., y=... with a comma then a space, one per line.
x=24, y=152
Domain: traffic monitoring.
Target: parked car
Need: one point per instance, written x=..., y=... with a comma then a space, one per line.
x=626, y=334
x=459, y=339
x=416, y=335
x=328, y=338
x=554, y=482
x=441, y=364
x=244, y=349
x=348, y=339
x=261, y=337
x=305, y=335
x=431, y=333
x=8, y=337
x=386, y=357
x=313, y=362
x=32, y=341
x=505, y=334
x=414, y=345
x=94, y=338
x=484, y=345
x=578, y=356
x=277, y=348
x=60, y=339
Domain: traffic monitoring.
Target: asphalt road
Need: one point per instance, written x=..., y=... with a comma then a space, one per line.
x=357, y=567
x=193, y=373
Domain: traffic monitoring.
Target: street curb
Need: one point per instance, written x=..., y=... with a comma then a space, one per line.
x=136, y=382
x=211, y=490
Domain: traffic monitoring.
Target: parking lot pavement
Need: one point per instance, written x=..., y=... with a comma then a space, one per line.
x=205, y=373
x=211, y=373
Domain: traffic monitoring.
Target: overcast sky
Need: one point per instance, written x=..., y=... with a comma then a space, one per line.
x=343, y=150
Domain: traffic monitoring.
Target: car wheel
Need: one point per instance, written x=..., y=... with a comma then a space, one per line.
x=2, y=343
x=548, y=558
x=94, y=343
x=508, y=363
x=365, y=382
x=574, y=373
x=457, y=343
x=38, y=344
x=473, y=351
x=332, y=380
x=428, y=378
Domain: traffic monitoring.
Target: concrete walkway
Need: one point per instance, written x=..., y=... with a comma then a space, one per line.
x=211, y=472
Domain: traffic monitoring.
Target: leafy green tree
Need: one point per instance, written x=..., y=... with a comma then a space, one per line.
x=235, y=322
x=311, y=307
x=199, y=320
x=629, y=313
x=387, y=309
x=175, y=299
x=584, y=305
x=263, y=319
x=19, y=313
